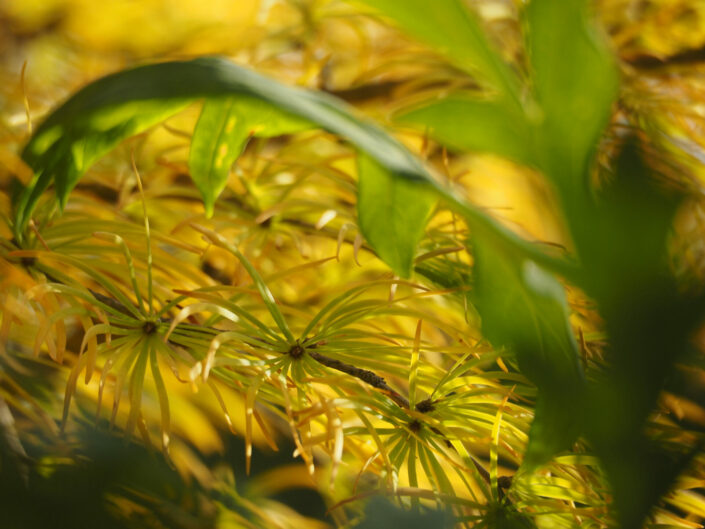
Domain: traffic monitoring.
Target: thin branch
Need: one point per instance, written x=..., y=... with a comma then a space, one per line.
x=683, y=58
x=365, y=375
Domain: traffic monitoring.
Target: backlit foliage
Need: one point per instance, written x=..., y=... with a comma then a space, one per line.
x=135, y=320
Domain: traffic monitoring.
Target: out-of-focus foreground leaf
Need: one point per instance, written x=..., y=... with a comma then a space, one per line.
x=452, y=29
x=87, y=126
x=381, y=513
x=476, y=125
x=221, y=133
x=575, y=82
x=524, y=309
x=648, y=323
x=111, y=484
x=620, y=239
x=503, y=515
x=392, y=213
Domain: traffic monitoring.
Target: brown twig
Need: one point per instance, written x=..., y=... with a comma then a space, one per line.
x=683, y=58
x=365, y=375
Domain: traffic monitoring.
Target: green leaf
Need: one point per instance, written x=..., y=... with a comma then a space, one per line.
x=221, y=134
x=65, y=146
x=524, y=309
x=575, y=81
x=449, y=27
x=117, y=106
x=649, y=320
x=465, y=123
x=217, y=142
x=128, y=102
x=392, y=213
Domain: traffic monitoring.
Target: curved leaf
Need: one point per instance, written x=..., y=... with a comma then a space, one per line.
x=216, y=143
x=97, y=117
x=392, y=213
x=221, y=134
x=71, y=140
x=127, y=102
x=575, y=80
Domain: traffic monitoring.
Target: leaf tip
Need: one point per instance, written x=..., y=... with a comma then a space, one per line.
x=209, y=207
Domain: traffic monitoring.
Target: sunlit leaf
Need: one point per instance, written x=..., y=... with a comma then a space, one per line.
x=69, y=142
x=97, y=117
x=222, y=131
x=469, y=124
x=392, y=213
x=160, y=89
x=452, y=29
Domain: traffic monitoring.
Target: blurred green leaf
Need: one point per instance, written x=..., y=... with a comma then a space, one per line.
x=392, y=213
x=575, y=81
x=221, y=134
x=448, y=26
x=159, y=90
x=476, y=125
x=640, y=473
x=624, y=251
x=623, y=247
x=524, y=309
x=108, y=483
x=117, y=106
x=66, y=145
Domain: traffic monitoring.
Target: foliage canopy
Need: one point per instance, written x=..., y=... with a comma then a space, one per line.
x=320, y=277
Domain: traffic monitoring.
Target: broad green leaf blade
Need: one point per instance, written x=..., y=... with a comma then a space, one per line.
x=222, y=131
x=470, y=124
x=64, y=152
x=392, y=213
x=217, y=142
x=169, y=85
x=576, y=81
x=523, y=308
x=96, y=114
x=649, y=321
x=448, y=26
x=265, y=120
